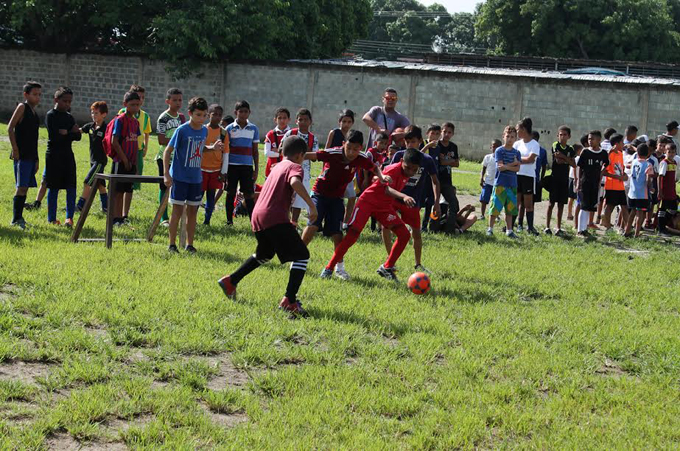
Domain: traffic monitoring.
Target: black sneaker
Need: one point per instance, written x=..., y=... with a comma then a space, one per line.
x=584, y=234
x=387, y=273
x=533, y=231
x=547, y=231
x=34, y=206
x=190, y=249
x=230, y=223
x=173, y=249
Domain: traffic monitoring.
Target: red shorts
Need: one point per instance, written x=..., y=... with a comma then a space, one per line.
x=211, y=180
x=410, y=215
x=364, y=210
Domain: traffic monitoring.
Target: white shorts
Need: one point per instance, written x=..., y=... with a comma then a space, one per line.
x=299, y=202
x=350, y=191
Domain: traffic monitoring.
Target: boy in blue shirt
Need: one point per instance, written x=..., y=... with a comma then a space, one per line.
x=504, y=194
x=642, y=175
x=184, y=176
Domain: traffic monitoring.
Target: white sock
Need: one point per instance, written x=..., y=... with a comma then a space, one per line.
x=583, y=219
x=340, y=266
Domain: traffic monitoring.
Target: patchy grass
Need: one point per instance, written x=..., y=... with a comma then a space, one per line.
x=539, y=343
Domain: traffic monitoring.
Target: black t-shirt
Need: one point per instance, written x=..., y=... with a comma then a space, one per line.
x=96, y=134
x=449, y=152
x=560, y=171
x=590, y=165
x=26, y=133
x=58, y=144
x=338, y=138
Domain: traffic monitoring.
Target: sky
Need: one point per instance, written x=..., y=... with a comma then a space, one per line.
x=455, y=6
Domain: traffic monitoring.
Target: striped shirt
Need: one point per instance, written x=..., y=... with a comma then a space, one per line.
x=241, y=142
x=126, y=130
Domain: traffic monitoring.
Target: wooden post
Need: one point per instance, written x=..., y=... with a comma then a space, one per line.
x=159, y=214
x=109, y=213
x=86, y=210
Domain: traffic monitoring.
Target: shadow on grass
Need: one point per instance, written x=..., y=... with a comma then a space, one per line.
x=384, y=327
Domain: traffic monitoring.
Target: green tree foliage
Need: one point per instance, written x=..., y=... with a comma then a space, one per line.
x=183, y=32
x=639, y=30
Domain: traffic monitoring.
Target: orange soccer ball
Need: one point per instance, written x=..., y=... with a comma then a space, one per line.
x=419, y=283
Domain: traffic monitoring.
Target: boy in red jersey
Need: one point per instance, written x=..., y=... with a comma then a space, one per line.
x=667, y=189
x=340, y=165
x=378, y=201
x=272, y=142
x=275, y=234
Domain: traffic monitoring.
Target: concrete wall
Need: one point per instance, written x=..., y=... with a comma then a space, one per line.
x=479, y=105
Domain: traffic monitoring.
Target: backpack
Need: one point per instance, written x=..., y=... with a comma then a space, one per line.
x=107, y=142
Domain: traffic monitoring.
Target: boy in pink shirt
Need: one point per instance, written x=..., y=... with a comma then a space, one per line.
x=275, y=234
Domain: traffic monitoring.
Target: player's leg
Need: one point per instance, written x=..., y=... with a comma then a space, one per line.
x=560, y=214
x=495, y=208
x=232, y=185
x=178, y=198
x=192, y=211
x=52, y=199
x=70, y=204
x=24, y=174
x=529, y=208
x=360, y=216
x=548, y=217
x=264, y=252
x=313, y=228
x=209, y=205
x=247, y=186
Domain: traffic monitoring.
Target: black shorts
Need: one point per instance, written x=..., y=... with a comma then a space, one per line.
x=559, y=191
x=638, y=204
x=616, y=198
x=283, y=241
x=96, y=168
x=669, y=205
x=525, y=184
x=572, y=189
x=331, y=213
x=241, y=176
x=588, y=199
x=161, y=173
x=119, y=169
x=538, y=194
x=667, y=211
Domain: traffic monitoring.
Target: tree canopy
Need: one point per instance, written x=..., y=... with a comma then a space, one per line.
x=183, y=32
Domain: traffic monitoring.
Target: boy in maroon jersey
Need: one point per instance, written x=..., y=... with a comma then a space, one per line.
x=667, y=190
x=275, y=234
x=340, y=164
x=272, y=142
x=378, y=201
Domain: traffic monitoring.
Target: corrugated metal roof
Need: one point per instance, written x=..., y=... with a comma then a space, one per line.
x=519, y=73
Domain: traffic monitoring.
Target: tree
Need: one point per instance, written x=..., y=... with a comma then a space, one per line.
x=409, y=27
x=459, y=34
x=599, y=29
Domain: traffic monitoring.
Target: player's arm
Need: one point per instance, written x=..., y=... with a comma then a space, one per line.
x=268, y=149
x=147, y=133
x=300, y=190
x=311, y=156
x=408, y=200
x=436, y=188
x=481, y=179
x=256, y=159
x=329, y=140
x=161, y=128
x=530, y=159
x=17, y=116
x=543, y=169
x=115, y=143
x=379, y=175
x=167, y=179
x=453, y=162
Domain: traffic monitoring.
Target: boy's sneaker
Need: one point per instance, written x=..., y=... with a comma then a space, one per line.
x=387, y=273
x=230, y=223
x=344, y=227
x=68, y=223
x=482, y=218
x=547, y=231
x=20, y=223
x=511, y=234
x=173, y=249
x=56, y=223
x=326, y=273
x=533, y=231
x=105, y=210
x=520, y=229
x=489, y=232
x=228, y=288
x=420, y=268
x=583, y=234
x=294, y=308
x=165, y=223
x=340, y=271
x=560, y=233
x=190, y=249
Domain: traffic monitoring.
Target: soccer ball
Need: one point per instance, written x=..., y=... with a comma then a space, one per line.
x=419, y=283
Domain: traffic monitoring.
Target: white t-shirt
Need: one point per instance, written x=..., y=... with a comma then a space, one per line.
x=526, y=149
x=628, y=159
x=490, y=163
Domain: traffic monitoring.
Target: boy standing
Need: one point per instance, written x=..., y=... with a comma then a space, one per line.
x=488, y=175
x=23, y=137
x=591, y=168
x=378, y=200
x=504, y=194
x=244, y=139
x=167, y=123
x=125, y=143
x=340, y=165
x=615, y=190
x=415, y=188
x=184, y=176
x=564, y=159
x=642, y=173
x=667, y=188
x=272, y=142
x=96, y=131
x=273, y=229
x=60, y=163
x=446, y=154
x=303, y=119
x=215, y=161
x=145, y=128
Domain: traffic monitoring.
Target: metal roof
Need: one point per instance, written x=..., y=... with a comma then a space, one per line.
x=518, y=73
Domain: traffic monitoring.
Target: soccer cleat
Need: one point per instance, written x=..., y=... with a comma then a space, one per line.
x=294, y=308
x=340, y=271
x=165, y=223
x=230, y=223
x=511, y=234
x=482, y=218
x=326, y=273
x=173, y=249
x=228, y=288
x=68, y=223
x=583, y=234
x=560, y=233
x=190, y=249
x=387, y=273
x=532, y=231
x=547, y=231
x=489, y=232
x=56, y=223
x=520, y=229
x=420, y=268
x=20, y=223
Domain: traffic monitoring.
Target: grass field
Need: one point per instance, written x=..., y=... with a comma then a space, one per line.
x=535, y=343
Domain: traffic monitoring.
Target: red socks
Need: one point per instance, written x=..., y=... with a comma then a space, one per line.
x=403, y=237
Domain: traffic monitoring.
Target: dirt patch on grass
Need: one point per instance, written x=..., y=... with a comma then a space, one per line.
x=8, y=291
x=612, y=369
x=227, y=374
x=26, y=372
x=227, y=421
x=117, y=426
x=64, y=442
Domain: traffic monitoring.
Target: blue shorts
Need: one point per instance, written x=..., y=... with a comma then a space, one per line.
x=331, y=212
x=485, y=197
x=183, y=193
x=24, y=173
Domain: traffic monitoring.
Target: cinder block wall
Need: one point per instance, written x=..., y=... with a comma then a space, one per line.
x=480, y=106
